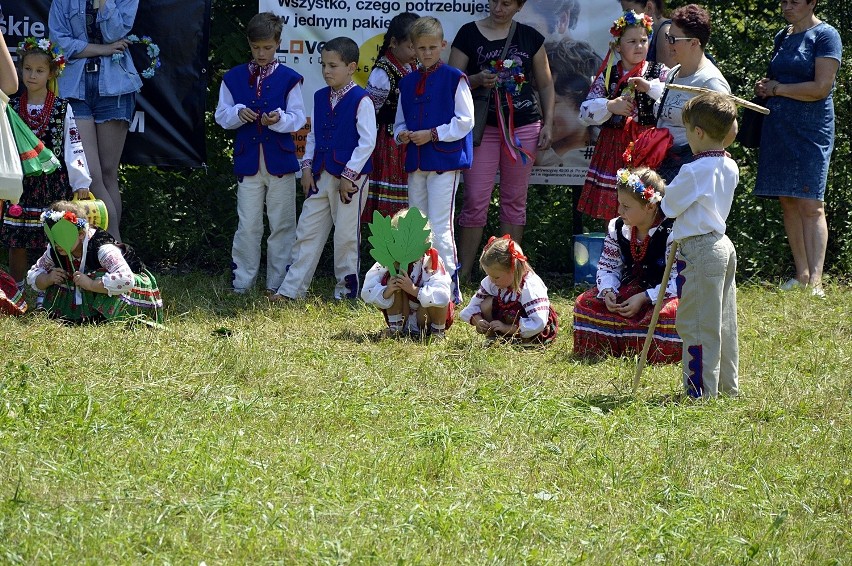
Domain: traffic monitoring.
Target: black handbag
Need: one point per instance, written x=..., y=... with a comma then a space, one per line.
x=481, y=102
x=751, y=124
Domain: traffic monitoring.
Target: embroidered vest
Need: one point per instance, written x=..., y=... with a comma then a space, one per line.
x=644, y=103
x=387, y=113
x=336, y=131
x=54, y=137
x=431, y=109
x=649, y=273
x=279, y=150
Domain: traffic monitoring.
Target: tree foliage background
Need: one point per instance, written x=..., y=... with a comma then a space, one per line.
x=186, y=218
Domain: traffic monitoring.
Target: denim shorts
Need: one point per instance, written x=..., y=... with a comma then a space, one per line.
x=102, y=108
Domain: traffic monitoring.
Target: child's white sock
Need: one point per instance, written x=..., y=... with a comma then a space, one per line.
x=437, y=327
x=395, y=322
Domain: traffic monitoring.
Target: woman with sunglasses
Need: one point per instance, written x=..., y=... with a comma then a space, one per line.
x=687, y=39
x=798, y=135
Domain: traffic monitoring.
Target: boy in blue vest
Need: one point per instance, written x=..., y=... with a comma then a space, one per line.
x=262, y=101
x=335, y=173
x=435, y=117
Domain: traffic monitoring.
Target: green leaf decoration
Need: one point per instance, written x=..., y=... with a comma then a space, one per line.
x=63, y=235
x=411, y=238
x=395, y=247
x=381, y=239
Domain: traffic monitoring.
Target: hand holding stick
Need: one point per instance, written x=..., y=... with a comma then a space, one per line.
x=643, y=358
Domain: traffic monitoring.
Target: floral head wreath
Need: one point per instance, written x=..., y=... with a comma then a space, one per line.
x=626, y=179
x=45, y=46
x=631, y=19
x=51, y=217
x=151, y=48
x=514, y=253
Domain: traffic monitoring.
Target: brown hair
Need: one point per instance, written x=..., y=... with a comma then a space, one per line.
x=713, y=112
x=694, y=21
x=265, y=26
x=507, y=254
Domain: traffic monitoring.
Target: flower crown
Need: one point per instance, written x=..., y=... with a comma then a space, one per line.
x=631, y=19
x=151, y=48
x=51, y=217
x=45, y=46
x=626, y=179
x=510, y=74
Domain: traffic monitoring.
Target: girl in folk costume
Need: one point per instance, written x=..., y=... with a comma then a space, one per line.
x=512, y=300
x=87, y=276
x=389, y=182
x=418, y=301
x=621, y=111
x=612, y=318
x=52, y=121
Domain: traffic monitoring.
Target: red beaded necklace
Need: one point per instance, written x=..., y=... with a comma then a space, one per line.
x=38, y=122
x=638, y=249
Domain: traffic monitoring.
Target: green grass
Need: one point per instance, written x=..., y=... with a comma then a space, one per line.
x=247, y=433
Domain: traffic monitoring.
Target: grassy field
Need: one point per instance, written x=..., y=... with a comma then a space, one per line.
x=246, y=433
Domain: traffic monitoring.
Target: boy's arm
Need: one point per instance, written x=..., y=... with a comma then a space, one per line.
x=365, y=121
x=680, y=193
x=399, y=126
x=227, y=111
x=293, y=118
x=462, y=123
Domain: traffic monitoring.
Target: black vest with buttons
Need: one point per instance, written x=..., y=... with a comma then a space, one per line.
x=649, y=273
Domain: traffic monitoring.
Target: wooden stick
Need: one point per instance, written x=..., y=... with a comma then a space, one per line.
x=643, y=358
x=700, y=90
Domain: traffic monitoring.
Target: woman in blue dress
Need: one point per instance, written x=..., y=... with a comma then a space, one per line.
x=798, y=135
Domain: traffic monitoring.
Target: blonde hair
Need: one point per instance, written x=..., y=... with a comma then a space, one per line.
x=68, y=206
x=427, y=26
x=507, y=254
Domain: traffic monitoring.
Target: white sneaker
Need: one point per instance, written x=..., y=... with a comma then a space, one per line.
x=818, y=292
x=791, y=284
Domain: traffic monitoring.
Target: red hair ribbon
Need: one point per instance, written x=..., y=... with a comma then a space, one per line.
x=433, y=258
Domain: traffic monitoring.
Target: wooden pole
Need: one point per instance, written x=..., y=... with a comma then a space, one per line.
x=643, y=358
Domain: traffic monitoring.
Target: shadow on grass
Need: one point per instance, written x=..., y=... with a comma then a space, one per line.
x=608, y=402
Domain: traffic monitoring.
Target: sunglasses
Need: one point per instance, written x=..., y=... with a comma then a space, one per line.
x=670, y=39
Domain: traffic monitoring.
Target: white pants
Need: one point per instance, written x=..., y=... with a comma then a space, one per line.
x=280, y=196
x=320, y=212
x=434, y=194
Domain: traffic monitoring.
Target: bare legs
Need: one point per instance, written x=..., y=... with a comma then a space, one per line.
x=18, y=263
x=807, y=232
x=469, y=239
x=516, y=231
x=103, y=144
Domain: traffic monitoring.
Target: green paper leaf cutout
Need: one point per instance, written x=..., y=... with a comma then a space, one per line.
x=411, y=238
x=397, y=247
x=381, y=239
x=63, y=235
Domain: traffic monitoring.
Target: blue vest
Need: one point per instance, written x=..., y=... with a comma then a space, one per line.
x=279, y=151
x=336, y=131
x=433, y=108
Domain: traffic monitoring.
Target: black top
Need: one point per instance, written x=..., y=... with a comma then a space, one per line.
x=481, y=52
x=649, y=273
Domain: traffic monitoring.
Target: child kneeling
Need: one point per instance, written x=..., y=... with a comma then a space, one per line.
x=418, y=301
x=92, y=278
x=512, y=300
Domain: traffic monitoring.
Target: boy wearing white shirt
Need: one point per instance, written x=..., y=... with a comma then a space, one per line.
x=700, y=199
